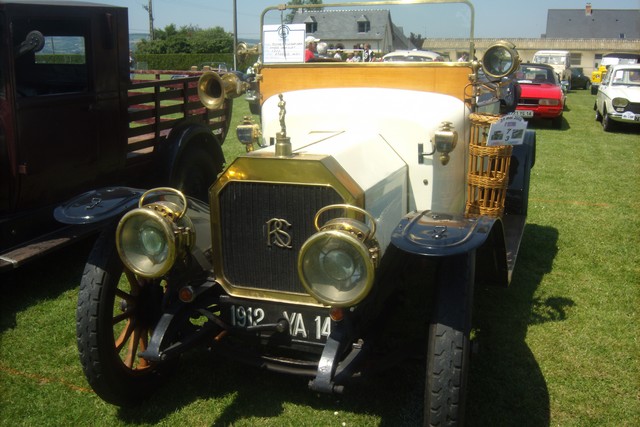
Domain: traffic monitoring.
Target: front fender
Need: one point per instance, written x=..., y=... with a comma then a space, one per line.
x=186, y=137
x=437, y=234
x=98, y=205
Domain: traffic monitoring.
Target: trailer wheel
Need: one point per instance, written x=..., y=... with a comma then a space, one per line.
x=449, y=344
x=115, y=316
x=195, y=172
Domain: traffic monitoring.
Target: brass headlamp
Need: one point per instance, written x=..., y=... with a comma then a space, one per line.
x=248, y=133
x=337, y=264
x=500, y=60
x=153, y=236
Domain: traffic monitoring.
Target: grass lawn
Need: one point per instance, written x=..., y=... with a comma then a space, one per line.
x=560, y=347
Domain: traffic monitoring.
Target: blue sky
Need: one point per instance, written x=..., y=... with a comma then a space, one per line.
x=494, y=18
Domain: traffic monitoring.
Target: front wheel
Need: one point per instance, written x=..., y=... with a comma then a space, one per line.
x=115, y=316
x=598, y=115
x=449, y=344
x=607, y=123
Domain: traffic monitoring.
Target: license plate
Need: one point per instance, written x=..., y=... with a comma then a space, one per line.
x=308, y=324
x=628, y=115
x=524, y=113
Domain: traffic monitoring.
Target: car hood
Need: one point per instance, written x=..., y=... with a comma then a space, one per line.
x=544, y=90
x=631, y=93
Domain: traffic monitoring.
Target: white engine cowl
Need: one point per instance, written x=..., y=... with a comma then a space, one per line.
x=374, y=134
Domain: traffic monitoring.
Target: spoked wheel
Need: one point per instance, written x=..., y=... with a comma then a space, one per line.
x=115, y=317
x=449, y=344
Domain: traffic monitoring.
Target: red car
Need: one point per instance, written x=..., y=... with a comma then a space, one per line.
x=541, y=94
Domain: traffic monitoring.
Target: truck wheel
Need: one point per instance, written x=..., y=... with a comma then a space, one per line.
x=115, y=316
x=196, y=172
x=449, y=344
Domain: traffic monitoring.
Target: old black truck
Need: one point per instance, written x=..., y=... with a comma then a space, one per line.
x=72, y=120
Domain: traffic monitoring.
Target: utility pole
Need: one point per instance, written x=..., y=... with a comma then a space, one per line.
x=149, y=9
x=235, y=36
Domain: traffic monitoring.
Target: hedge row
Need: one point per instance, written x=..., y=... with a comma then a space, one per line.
x=59, y=59
x=184, y=61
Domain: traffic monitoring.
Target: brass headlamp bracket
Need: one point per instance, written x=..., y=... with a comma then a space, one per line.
x=354, y=227
x=173, y=213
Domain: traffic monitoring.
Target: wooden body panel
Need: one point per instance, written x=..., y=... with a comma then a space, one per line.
x=444, y=78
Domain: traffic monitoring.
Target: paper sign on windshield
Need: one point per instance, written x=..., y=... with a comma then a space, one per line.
x=283, y=43
x=509, y=130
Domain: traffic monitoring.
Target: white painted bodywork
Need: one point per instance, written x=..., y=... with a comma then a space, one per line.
x=372, y=132
x=612, y=88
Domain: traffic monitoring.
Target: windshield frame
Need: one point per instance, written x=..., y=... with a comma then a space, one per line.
x=371, y=4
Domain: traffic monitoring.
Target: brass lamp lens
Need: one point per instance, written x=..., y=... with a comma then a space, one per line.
x=336, y=268
x=146, y=243
x=500, y=60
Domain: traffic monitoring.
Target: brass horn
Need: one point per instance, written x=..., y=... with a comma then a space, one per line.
x=213, y=88
x=244, y=49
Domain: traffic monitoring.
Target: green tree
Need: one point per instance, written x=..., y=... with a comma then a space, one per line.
x=417, y=40
x=188, y=39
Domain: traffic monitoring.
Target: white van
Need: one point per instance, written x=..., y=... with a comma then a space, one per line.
x=560, y=60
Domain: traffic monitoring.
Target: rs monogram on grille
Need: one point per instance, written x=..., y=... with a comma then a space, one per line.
x=277, y=233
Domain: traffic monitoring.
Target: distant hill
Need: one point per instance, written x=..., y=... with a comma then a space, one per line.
x=134, y=38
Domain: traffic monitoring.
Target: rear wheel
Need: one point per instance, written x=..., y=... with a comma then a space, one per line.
x=449, y=344
x=115, y=317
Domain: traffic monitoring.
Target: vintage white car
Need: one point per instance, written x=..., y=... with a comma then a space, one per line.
x=413, y=55
x=618, y=97
x=364, y=186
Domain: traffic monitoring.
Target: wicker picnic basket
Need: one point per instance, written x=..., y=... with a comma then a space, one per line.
x=488, y=169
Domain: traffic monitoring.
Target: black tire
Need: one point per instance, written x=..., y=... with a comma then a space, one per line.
x=598, y=115
x=607, y=124
x=449, y=344
x=556, y=122
x=112, y=301
x=195, y=172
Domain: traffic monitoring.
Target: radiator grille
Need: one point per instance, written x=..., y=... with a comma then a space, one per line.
x=634, y=107
x=245, y=209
